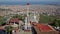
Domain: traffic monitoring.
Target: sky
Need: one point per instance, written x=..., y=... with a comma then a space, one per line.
x=29, y=0
x=48, y=1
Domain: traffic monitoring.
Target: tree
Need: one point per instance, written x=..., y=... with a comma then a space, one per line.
x=20, y=17
x=1, y=20
x=56, y=23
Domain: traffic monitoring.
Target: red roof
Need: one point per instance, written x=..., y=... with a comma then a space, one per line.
x=14, y=20
x=43, y=27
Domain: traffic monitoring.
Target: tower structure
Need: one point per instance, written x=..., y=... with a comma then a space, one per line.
x=27, y=22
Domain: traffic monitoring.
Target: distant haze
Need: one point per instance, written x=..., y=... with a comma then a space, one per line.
x=14, y=2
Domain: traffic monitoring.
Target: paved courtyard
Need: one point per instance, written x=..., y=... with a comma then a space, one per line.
x=23, y=32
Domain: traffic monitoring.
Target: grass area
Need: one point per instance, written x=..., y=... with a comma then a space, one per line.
x=46, y=19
